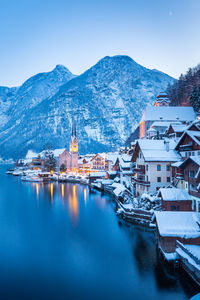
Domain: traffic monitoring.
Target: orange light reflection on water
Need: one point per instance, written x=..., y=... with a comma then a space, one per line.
x=85, y=195
x=73, y=205
x=63, y=190
x=51, y=191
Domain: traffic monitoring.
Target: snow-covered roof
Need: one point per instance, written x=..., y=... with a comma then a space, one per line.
x=176, y=164
x=57, y=152
x=168, y=113
x=178, y=224
x=123, y=164
x=195, y=159
x=195, y=136
x=161, y=124
x=98, y=174
x=120, y=188
x=126, y=157
x=179, y=127
x=31, y=154
x=112, y=157
x=156, y=150
x=174, y=194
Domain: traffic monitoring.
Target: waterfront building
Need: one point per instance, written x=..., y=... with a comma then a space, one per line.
x=176, y=226
x=152, y=160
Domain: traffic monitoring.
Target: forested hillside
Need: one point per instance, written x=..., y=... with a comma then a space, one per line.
x=186, y=91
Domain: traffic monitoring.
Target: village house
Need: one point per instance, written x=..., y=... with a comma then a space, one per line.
x=184, y=115
x=176, y=130
x=152, y=159
x=162, y=100
x=173, y=199
x=176, y=226
x=98, y=162
x=186, y=175
x=189, y=143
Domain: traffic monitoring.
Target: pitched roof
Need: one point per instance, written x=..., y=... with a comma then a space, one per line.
x=178, y=127
x=178, y=224
x=168, y=113
x=193, y=134
x=156, y=150
x=174, y=194
x=195, y=159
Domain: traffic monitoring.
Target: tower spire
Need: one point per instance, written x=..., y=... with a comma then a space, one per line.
x=73, y=127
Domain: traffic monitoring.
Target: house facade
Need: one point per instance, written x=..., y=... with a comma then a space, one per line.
x=152, y=159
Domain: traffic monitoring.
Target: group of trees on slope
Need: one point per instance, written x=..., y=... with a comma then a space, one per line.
x=186, y=90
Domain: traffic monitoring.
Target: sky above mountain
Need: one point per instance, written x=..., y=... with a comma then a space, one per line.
x=36, y=35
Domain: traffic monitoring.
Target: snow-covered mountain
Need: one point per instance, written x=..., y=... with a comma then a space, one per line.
x=107, y=102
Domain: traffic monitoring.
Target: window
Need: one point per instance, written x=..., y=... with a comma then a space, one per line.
x=158, y=179
x=167, y=167
x=192, y=153
x=174, y=208
x=198, y=152
x=191, y=174
x=189, y=153
x=146, y=167
x=158, y=167
x=168, y=179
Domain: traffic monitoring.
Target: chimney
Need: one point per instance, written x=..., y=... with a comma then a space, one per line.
x=167, y=144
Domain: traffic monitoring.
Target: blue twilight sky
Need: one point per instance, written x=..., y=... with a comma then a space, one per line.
x=35, y=35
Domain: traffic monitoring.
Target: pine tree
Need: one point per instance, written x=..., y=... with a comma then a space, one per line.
x=50, y=161
x=195, y=99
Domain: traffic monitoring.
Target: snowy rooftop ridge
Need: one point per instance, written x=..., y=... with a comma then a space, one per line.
x=168, y=113
x=174, y=194
x=156, y=150
x=178, y=224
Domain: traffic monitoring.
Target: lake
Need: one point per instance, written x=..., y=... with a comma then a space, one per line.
x=60, y=241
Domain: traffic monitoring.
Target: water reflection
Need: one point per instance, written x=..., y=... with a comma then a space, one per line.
x=85, y=195
x=62, y=190
x=73, y=204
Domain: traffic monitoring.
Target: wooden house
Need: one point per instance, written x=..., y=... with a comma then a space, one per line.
x=173, y=199
x=173, y=226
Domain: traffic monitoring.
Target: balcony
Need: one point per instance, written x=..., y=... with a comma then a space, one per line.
x=140, y=179
x=139, y=169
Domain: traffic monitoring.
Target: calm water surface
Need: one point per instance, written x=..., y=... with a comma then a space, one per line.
x=61, y=241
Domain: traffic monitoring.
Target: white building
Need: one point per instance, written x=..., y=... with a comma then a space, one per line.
x=171, y=114
x=153, y=160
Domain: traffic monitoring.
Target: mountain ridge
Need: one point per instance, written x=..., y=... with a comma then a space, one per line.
x=106, y=100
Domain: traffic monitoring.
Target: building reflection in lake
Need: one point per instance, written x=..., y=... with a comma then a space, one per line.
x=73, y=203
x=85, y=195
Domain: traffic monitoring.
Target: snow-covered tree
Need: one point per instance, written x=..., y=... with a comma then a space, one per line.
x=49, y=161
x=195, y=99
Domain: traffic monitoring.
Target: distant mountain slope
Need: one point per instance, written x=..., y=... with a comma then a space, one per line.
x=107, y=102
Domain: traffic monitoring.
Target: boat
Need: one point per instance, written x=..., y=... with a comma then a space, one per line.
x=17, y=172
x=10, y=171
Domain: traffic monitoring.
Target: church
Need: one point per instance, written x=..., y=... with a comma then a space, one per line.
x=69, y=159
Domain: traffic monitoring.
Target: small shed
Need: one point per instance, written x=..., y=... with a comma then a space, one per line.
x=174, y=199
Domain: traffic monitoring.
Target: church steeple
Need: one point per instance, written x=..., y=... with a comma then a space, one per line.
x=73, y=141
x=73, y=127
